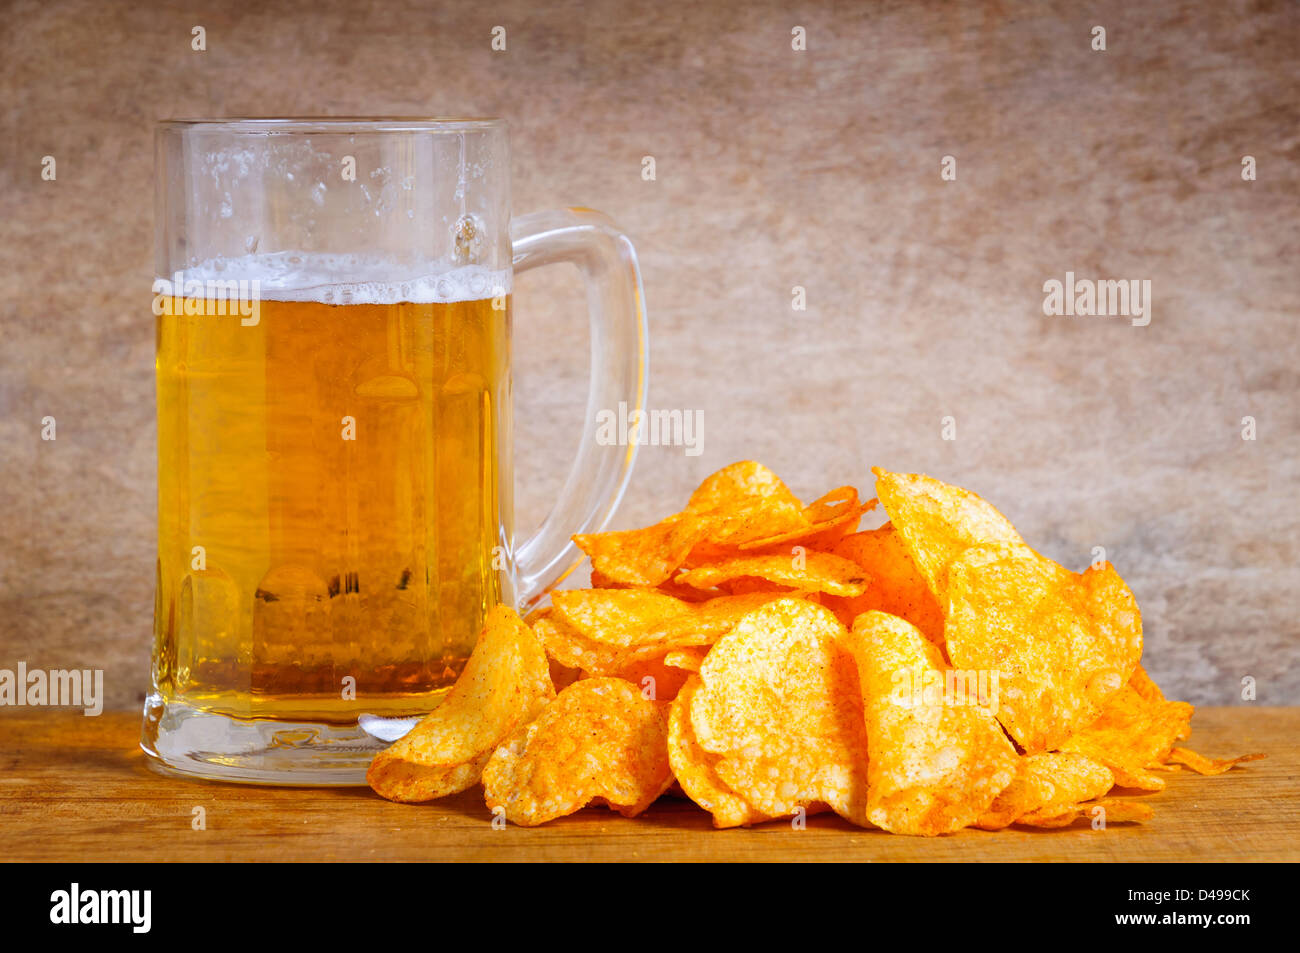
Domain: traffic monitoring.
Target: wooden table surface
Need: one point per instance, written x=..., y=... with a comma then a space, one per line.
x=78, y=789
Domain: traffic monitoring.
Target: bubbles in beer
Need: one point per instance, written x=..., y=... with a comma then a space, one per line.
x=352, y=279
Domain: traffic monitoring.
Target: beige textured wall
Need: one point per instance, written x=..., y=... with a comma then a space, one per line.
x=775, y=169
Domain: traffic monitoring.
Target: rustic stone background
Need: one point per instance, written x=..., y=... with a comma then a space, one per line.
x=775, y=169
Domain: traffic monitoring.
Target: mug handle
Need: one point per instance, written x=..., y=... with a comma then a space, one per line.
x=619, y=372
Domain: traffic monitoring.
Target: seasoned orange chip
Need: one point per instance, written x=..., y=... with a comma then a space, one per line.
x=817, y=572
x=702, y=626
x=605, y=646
x=643, y=557
x=990, y=685
x=686, y=593
x=939, y=522
x=1112, y=811
x=689, y=659
x=896, y=586
x=779, y=707
x=829, y=519
x=1203, y=765
x=504, y=684
x=656, y=679
x=1132, y=733
x=599, y=740
x=571, y=649
x=739, y=503
x=938, y=759
x=1141, y=683
x=615, y=617
x=746, y=501
x=1047, y=784
x=1063, y=642
x=694, y=768
x=744, y=585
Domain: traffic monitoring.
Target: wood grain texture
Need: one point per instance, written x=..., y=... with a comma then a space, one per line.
x=77, y=789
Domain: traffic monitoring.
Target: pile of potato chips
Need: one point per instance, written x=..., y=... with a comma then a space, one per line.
x=766, y=660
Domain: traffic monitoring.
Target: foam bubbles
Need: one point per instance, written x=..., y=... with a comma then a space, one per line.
x=353, y=279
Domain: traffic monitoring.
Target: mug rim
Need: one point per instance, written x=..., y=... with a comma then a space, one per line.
x=259, y=125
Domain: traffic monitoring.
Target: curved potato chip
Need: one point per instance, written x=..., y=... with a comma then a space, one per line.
x=686, y=593
x=600, y=740
x=830, y=518
x=1047, y=784
x=1063, y=642
x=702, y=626
x=654, y=678
x=746, y=487
x=615, y=617
x=938, y=522
x=937, y=761
x=738, y=503
x=1131, y=733
x=1112, y=811
x=896, y=587
x=819, y=572
x=1141, y=683
x=694, y=769
x=1203, y=765
x=505, y=682
x=643, y=557
x=571, y=649
x=688, y=659
x=779, y=707
x=834, y=505
x=562, y=675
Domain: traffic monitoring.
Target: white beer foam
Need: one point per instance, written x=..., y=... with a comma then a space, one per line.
x=353, y=279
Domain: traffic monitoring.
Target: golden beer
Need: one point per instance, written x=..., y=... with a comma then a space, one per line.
x=333, y=502
x=335, y=495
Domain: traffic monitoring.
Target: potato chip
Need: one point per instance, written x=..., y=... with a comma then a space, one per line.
x=1131, y=733
x=643, y=557
x=656, y=680
x=746, y=501
x=817, y=572
x=896, y=587
x=1063, y=642
x=686, y=593
x=710, y=658
x=505, y=683
x=599, y=740
x=1047, y=784
x=829, y=519
x=1113, y=811
x=939, y=522
x=779, y=707
x=1141, y=683
x=688, y=659
x=937, y=760
x=1203, y=765
x=702, y=626
x=615, y=617
x=694, y=768
x=739, y=503
x=628, y=648
x=744, y=585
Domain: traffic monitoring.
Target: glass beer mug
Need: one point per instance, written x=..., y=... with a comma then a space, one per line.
x=334, y=429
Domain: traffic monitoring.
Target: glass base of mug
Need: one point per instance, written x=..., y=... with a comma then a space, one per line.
x=182, y=740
